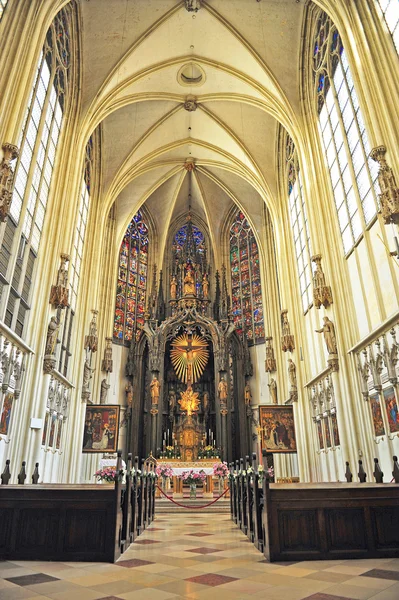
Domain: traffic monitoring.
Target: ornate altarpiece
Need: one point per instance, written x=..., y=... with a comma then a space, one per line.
x=189, y=312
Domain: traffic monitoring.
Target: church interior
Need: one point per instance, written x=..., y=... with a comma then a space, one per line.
x=199, y=262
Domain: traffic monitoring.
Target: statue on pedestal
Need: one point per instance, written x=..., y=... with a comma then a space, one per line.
x=173, y=287
x=328, y=331
x=154, y=389
x=273, y=390
x=52, y=333
x=91, y=340
x=189, y=284
x=205, y=286
x=247, y=394
x=104, y=391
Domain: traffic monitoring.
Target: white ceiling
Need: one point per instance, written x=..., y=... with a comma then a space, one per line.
x=132, y=52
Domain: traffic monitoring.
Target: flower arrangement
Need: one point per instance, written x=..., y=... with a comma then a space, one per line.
x=209, y=452
x=193, y=477
x=164, y=471
x=261, y=473
x=108, y=474
x=220, y=469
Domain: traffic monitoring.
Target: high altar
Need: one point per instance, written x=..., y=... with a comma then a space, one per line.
x=188, y=365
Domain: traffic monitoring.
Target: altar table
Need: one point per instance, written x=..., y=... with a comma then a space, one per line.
x=178, y=466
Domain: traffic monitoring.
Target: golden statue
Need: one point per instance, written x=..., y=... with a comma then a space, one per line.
x=189, y=356
x=189, y=401
x=189, y=284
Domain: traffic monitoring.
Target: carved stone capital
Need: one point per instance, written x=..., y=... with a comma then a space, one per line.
x=48, y=364
x=333, y=363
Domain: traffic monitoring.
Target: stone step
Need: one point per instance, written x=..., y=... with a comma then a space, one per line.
x=166, y=506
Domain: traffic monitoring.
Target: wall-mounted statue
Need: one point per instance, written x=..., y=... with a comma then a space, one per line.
x=273, y=391
x=173, y=287
x=222, y=390
x=59, y=295
x=328, y=331
x=104, y=391
x=155, y=389
x=270, y=362
x=205, y=286
x=52, y=333
x=389, y=197
x=247, y=394
x=107, y=362
x=91, y=340
x=11, y=153
x=322, y=294
x=87, y=375
x=287, y=339
x=292, y=380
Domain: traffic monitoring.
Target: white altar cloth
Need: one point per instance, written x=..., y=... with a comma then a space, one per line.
x=179, y=470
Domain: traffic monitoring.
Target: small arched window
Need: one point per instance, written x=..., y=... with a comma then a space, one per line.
x=347, y=150
x=132, y=281
x=246, y=289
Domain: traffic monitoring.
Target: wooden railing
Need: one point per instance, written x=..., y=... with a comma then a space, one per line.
x=74, y=522
x=292, y=522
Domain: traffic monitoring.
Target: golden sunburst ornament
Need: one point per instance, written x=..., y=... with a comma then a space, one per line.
x=189, y=401
x=189, y=356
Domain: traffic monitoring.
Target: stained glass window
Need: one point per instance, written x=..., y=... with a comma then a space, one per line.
x=3, y=4
x=245, y=281
x=132, y=281
x=38, y=144
x=181, y=237
x=299, y=223
x=353, y=173
x=390, y=11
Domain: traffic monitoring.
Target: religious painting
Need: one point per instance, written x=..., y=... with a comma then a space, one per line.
x=328, y=433
x=392, y=409
x=45, y=428
x=320, y=435
x=52, y=429
x=334, y=427
x=59, y=434
x=101, y=428
x=6, y=414
x=278, y=428
x=378, y=423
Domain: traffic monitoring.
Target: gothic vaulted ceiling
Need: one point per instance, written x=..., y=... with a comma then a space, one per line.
x=169, y=85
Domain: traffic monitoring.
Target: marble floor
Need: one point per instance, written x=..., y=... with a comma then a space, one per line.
x=199, y=557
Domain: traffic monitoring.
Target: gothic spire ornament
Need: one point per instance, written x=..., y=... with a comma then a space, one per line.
x=59, y=295
x=322, y=294
x=287, y=339
x=91, y=340
x=107, y=362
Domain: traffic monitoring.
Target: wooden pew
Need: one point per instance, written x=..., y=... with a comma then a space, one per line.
x=322, y=521
x=257, y=505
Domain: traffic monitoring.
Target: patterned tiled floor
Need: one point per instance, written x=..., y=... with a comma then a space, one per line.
x=182, y=562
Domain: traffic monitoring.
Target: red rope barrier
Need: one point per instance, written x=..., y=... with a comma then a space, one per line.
x=184, y=506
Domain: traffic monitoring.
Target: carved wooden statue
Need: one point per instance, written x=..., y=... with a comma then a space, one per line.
x=52, y=333
x=87, y=374
x=129, y=394
x=205, y=286
x=322, y=294
x=173, y=288
x=247, y=394
x=59, y=295
x=11, y=152
x=189, y=284
x=107, y=363
x=222, y=390
x=287, y=339
x=91, y=340
x=270, y=362
x=292, y=374
x=104, y=391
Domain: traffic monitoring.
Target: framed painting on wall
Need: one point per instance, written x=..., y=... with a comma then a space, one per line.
x=277, y=428
x=101, y=428
x=392, y=409
x=378, y=423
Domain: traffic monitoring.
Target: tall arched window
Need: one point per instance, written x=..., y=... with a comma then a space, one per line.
x=299, y=223
x=38, y=144
x=3, y=4
x=67, y=316
x=390, y=11
x=132, y=281
x=245, y=281
x=353, y=173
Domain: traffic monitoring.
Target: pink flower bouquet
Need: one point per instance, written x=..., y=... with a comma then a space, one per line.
x=108, y=474
x=193, y=477
x=220, y=469
x=164, y=471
